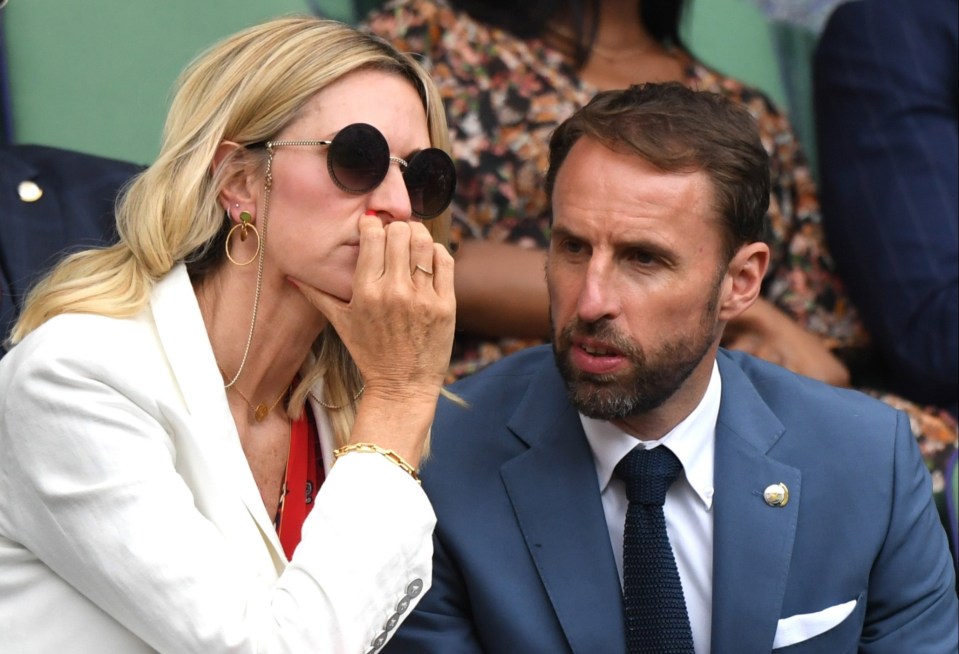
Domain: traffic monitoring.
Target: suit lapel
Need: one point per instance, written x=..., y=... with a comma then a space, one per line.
x=555, y=494
x=752, y=541
x=183, y=335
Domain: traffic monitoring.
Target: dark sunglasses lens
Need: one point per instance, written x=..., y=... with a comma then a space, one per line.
x=430, y=179
x=358, y=158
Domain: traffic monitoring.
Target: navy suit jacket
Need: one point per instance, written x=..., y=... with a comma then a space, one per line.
x=75, y=210
x=886, y=79
x=523, y=561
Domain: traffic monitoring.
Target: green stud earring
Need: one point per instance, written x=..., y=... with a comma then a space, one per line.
x=246, y=219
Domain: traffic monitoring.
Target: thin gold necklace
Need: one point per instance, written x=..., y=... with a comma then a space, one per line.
x=334, y=407
x=261, y=410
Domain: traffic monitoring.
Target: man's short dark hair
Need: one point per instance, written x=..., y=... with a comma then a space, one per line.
x=680, y=130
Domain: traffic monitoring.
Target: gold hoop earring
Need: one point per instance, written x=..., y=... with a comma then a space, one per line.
x=245, y=224
x=267, y=186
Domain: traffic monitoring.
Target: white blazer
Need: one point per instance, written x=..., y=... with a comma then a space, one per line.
x=130, y=520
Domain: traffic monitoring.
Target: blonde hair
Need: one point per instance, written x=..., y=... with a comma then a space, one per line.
x=245, y=89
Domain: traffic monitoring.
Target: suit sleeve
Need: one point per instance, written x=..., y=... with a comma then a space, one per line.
x=912, y=604
x=442, y=623
x=885, y=76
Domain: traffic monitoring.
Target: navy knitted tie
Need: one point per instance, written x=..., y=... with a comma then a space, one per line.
x=656, y=618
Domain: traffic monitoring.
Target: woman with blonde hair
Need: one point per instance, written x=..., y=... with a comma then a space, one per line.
x=173, y=405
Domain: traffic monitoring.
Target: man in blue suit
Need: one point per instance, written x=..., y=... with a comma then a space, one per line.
x=51, y=201
x=886, y=80
x=801, y=519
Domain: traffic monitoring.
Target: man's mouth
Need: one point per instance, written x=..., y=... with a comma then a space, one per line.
x=595, y=357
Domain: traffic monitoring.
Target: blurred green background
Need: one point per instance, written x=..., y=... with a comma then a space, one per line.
x=96, y=75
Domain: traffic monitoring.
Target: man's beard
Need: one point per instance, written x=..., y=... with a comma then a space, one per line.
x=653, y=379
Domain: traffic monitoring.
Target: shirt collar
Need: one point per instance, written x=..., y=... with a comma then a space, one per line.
x=692, y=441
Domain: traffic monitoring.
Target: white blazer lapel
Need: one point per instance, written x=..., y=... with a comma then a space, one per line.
x=184, y=339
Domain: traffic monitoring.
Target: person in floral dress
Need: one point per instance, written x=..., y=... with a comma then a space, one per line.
x=509, y=73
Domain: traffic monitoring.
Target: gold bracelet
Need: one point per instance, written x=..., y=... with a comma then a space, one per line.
x=370, y=448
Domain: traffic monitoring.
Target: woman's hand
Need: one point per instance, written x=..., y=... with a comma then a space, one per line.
x=398, y=327
x=768, y=333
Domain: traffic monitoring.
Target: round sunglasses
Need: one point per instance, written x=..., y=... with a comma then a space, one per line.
x=359, y=158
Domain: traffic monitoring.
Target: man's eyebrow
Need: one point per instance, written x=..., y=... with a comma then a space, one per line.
x=621, y=245
x=561, y=231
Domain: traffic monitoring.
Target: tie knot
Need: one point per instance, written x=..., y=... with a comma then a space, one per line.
x=648, y=474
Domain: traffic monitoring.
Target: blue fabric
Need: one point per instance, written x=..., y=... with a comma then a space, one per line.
x=655, y=609
x=952, y=502
x=885, y=84
x=75, y=210
x=523, y=560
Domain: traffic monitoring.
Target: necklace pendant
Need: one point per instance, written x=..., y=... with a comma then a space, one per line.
x=260, y=412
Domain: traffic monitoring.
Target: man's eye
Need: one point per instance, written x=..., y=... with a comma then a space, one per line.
x=572, y=247
x=641, y=257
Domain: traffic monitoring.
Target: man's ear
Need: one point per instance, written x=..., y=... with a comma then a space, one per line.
x=235, y=168
x=744, y=279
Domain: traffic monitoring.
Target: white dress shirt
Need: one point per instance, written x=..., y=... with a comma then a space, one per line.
x=689, y=502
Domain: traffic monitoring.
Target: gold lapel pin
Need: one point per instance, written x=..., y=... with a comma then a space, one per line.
x=29, y=191
x=776, y=495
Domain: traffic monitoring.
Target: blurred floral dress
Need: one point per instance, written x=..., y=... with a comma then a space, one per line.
x=504, y=97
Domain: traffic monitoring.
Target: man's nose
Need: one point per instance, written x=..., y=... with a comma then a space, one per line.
x=598, y=298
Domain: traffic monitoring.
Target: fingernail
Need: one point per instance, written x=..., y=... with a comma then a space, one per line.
x=370, y=212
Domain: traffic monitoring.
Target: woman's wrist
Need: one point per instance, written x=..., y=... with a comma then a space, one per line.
x=372, y=448
x=400, y=425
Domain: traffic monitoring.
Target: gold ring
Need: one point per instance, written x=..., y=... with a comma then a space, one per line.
x=424, y=270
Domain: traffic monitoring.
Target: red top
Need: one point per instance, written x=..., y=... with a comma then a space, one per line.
x=304, y=474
